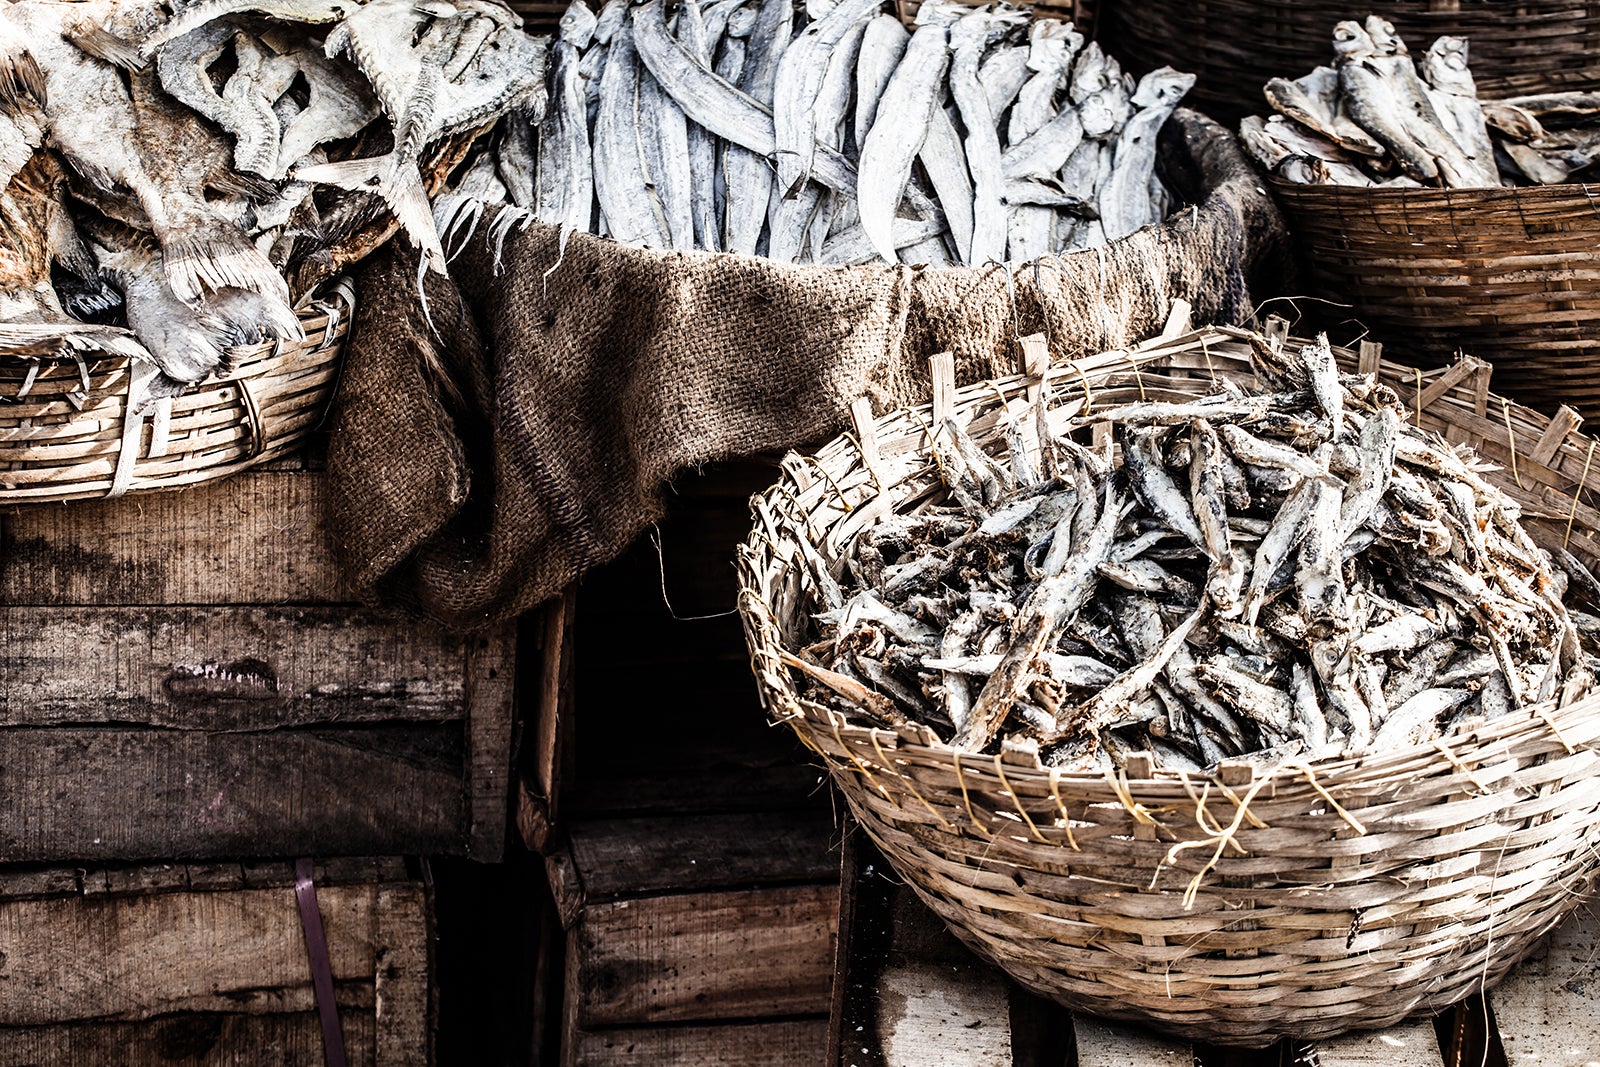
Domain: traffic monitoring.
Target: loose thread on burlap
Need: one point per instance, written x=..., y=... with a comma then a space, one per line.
x=1583, y=481
x=1066, y=820
x=999, y=768
x=1511, y=442
x=966, y=799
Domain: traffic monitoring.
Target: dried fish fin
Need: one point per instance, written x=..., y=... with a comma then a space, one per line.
x=399, y=184
x=103, y=45
x=21, y=79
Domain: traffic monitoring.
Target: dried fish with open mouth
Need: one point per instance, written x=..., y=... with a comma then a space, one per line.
x=1376, y=112
x=1130, y=603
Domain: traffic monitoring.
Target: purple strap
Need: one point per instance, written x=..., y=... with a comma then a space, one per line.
x=305, y=894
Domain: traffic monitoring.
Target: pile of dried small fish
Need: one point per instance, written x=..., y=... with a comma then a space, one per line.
x=1375, y=119
x=161, y=174
x=1258, y=575
x=832, y=134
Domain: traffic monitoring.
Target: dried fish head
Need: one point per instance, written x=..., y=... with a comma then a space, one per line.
x=437, y=68
x=1384, y=37
x=1352, y=43
x=578, y=24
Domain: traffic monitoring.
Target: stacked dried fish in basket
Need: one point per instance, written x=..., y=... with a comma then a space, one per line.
x=1234, y=781
x=178, y=194
x=1234, y=46
x=833, y=134
x=1407, y=197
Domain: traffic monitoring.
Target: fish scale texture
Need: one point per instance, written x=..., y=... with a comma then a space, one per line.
x=476, y=470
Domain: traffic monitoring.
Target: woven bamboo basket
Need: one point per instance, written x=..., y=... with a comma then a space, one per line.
x=1235, y=46
x=1508, y=274
x=71, y=431
x=1305, y=899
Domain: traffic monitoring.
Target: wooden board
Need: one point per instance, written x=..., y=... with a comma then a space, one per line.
x=138, y=961
x=216, y=1040
x=1413, y=1043
x=111, y=793
x=552, y=714
x=249, y=731
x=258, y=538
x=240, y=668
x=1106, y=1044
x=691, y=853
x=784, y=1043
x=1548, y=1010
x=695, y=956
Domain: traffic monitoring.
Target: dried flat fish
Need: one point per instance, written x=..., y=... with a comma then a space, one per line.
x=904, y=111
x=1125, y=203
x=406, y=49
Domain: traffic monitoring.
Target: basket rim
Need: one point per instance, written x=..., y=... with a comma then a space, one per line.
x=1579, y=719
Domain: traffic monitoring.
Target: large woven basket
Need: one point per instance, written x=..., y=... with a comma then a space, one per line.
x=70, y=431
x=1310, y=899
x=1510, y=275
x=1235, y=46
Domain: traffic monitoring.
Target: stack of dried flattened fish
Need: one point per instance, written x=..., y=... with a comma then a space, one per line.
x=829, y=133
x=1291, y=572
x=1379, y=118
x=161, y=174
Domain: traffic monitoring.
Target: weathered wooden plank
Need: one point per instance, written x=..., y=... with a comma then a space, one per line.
x=1107, y=1044
x=931, y=1017
x=1412, y=1043
x=539, y=800
x=404, y=1030
x=136, y=957
x=109, y=793
x=700, y=956
x=694, y=853
x=218, y=1040
x=239, y=668
x=258, y=538
x=1548, y=1010
x=788, y=1043
x=490, y=682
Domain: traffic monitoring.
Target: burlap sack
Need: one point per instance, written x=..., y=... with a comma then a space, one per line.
x=477, y=470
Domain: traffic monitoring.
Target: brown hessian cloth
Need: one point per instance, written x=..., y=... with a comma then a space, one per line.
x=478, y=466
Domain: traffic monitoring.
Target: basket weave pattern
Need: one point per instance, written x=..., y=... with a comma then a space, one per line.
x=71, y=432
x=1235, y=46
x=1510, y=275
x=1308, y=900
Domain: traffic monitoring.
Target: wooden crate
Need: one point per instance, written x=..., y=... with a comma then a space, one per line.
x=194, y=966
x=908, y=994
x=697, y=940
x=687, y=842
x=185, y=675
